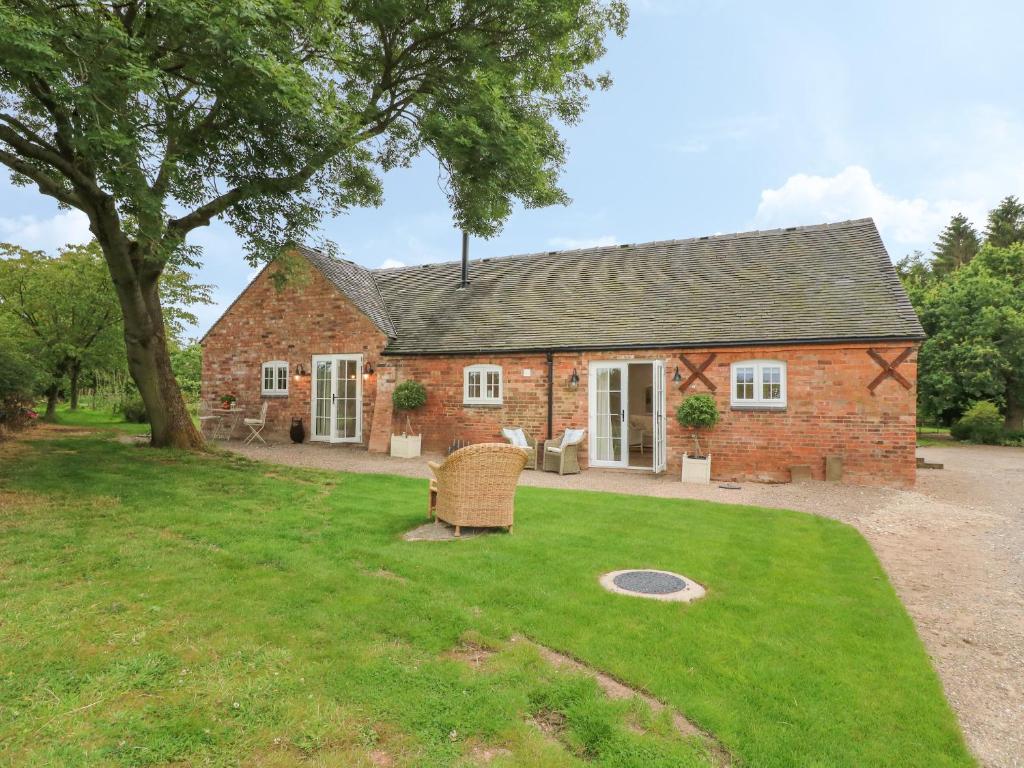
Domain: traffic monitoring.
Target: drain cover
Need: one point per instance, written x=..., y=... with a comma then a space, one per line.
x=649, y=582
x=656, y=585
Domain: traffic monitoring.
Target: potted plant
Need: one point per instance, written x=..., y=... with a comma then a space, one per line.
x=697, y=412
x=407, y=397
x=227, y=400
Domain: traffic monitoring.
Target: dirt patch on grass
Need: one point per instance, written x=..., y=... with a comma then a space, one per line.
x=484, y=754
x=616, y=689
x=471, y=653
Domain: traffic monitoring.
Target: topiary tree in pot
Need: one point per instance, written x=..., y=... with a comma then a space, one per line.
x=697, y=412
x=407, y=397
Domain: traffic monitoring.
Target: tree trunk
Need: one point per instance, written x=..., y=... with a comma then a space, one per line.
x=51, y=402
x=1014, y=412
x=149, y=362
x=73, y=373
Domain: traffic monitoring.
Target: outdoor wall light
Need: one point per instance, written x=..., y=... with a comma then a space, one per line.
x=677, y=377
x=574, y=379
x=367, y=370
x=300, y=371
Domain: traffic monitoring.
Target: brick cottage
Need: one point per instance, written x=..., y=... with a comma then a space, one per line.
x=803, y=335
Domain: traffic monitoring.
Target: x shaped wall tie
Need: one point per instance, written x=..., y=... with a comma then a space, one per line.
x=889, y=369
x=697, y=372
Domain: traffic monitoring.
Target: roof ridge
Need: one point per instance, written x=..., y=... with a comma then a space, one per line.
x=844, y=224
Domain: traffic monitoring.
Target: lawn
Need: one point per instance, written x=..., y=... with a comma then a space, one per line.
x=163, y=608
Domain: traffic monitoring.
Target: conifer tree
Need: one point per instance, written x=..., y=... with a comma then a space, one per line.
x=956, y=246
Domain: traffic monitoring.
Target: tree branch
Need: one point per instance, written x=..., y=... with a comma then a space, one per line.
x=47, y=185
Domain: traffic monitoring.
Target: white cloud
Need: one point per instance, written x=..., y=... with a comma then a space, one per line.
x=392, y=264
x=572, y=244
x=33, y=233
x=852, y=194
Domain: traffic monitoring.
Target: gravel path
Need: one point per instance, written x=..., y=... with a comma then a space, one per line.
x=953, y=548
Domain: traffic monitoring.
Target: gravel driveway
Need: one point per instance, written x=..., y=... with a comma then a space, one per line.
x=953, y=548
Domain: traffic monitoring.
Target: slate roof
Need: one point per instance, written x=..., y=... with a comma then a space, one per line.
x=357, y=284
x=829, y=282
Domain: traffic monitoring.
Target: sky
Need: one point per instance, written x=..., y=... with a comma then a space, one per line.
x=723, y=117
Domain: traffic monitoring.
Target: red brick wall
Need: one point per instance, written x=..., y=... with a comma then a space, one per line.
x=830, y=410
x=307, y=317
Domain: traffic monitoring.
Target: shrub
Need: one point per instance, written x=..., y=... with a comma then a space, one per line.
x=1014, y=437
x=409, y=395
x=981, y=423
x=134, y=411
x=697, y=412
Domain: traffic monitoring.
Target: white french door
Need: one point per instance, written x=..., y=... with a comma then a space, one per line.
x=337, y=395
x=658, y=403
x=609, y=385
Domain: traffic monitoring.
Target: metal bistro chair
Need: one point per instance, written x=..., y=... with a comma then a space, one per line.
x=256, y=425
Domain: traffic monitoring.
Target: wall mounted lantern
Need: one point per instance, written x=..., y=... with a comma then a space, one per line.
x=367, y=370
x=574, y=379
x=300, y=371
x=677, y=377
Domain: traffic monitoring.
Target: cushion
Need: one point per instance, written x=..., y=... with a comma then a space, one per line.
x=554, y=449
x=515, y=436
x=571, y=436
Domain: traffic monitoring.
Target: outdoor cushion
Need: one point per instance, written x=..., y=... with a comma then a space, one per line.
x=554, y=449
x=515, y=436
x=571, y=436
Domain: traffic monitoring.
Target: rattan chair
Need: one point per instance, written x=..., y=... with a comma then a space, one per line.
x=562, y=456
x=531, y=444
x=476, y=486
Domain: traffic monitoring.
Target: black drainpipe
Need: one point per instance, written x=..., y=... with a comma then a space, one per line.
x=551, y=395
x=465, y=259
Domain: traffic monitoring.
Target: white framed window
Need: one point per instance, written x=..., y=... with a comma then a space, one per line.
x=274, y=378
x=758, y=383
x=481, y=385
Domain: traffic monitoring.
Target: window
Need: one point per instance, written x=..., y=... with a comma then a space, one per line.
x=275, y=378
x=759, y=383
x=481, y=385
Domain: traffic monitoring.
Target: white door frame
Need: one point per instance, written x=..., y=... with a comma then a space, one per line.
x=333, y=437
x=623, y=368
x=659, y=422
x=658, y=407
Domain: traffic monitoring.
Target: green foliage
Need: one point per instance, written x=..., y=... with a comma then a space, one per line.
x=974, y=319
x=187, y=364
x=134, y=411
x=1005, y=223
x=280, y=114
x=65, y=304
x=291, y=607
x=982, y=423
x=409, y=395
x=956, y=246
x=698, y=412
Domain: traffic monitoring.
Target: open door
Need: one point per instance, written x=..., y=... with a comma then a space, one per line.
x=608, y=414
x=659, y=424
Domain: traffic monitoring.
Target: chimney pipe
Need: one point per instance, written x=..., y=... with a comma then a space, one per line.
x=465, y=259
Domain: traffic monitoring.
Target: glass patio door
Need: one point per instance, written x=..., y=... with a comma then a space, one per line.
x=658, y=408
x=608, y=416
x=337, y=395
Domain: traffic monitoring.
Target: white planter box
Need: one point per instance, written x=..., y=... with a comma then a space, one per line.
x=405, y=446
x=696, y=470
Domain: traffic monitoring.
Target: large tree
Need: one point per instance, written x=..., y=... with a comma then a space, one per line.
x=956, y=246
x=974, y=319
x=65, y=305
x=156, y=116
x=1005, y=223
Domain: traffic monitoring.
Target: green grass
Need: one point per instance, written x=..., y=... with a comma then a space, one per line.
x=166, y=608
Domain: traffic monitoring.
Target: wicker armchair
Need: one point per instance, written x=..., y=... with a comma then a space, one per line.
x=562, y=456
x=509, y=434
x=476, y=486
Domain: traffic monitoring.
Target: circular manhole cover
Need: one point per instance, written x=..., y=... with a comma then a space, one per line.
x=657, y=585
x=649, y=582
